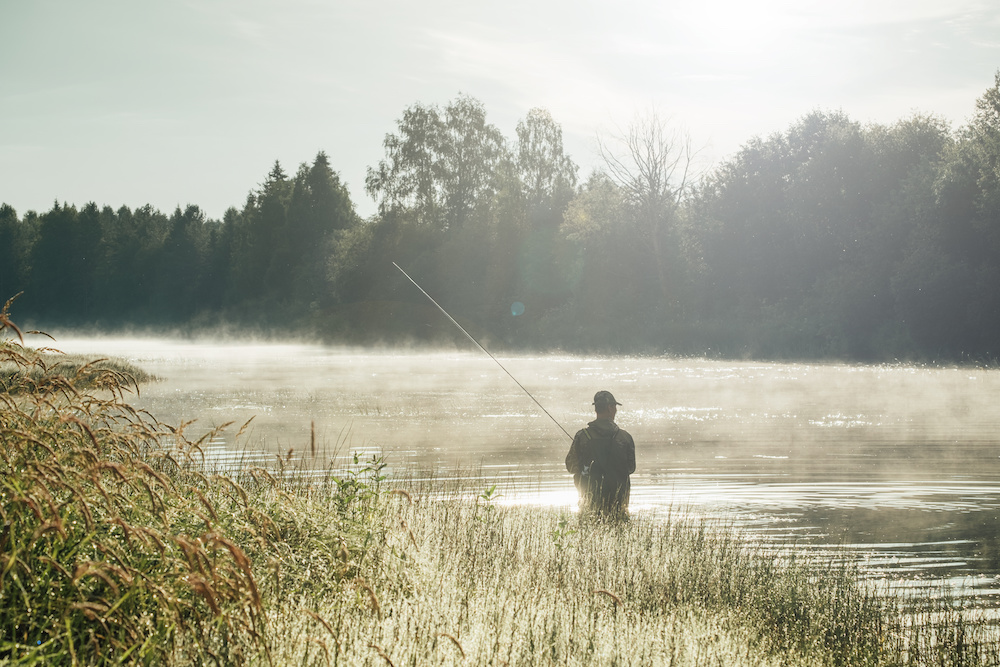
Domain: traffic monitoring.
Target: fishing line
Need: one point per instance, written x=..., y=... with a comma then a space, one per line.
x=483, y=349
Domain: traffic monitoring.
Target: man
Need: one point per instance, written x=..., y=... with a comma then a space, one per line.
x=601, y=459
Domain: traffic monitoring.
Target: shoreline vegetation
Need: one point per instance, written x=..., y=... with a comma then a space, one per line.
x=32, y=368
x=828, y=240
x=118, y=545
x=86, y=373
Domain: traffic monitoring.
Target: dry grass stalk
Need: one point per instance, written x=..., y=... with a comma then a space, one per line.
x=382, y=654
x=402, y=492
x=600, y=591
x=454, y=641
x=322, y=645
x=322, y=622
x=363, y=585
x=413, y=540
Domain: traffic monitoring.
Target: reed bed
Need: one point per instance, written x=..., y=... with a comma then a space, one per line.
x=119, y=546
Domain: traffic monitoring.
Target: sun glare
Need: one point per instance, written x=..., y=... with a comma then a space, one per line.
x=719, y=30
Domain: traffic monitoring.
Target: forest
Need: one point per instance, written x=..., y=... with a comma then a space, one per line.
x=831, y=240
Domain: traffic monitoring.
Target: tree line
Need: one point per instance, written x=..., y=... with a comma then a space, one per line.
x=832, y=239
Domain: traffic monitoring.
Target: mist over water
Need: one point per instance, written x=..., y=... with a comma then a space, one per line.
x=900, y=464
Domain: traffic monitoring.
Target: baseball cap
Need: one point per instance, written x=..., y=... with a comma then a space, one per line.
x=605, y=398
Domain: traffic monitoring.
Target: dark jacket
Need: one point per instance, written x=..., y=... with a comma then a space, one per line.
x=601, y=459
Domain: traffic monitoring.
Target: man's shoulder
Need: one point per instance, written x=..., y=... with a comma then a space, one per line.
x=623, y=435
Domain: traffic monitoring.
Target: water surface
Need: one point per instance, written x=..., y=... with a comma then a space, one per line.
x=900, y=464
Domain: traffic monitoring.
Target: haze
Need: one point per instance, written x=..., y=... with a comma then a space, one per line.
x=174, y=103
x=895, y=463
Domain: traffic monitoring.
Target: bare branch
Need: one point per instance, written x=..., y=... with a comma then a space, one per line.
x=649, y=161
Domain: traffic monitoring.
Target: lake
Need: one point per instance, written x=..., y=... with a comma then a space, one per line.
x=898, y=466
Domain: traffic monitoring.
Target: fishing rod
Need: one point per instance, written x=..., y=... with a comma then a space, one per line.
x=483, y=349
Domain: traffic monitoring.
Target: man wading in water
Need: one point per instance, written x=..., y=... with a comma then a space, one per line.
x=601, y=458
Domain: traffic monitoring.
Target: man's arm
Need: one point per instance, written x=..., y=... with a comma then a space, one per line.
x=627, y=452
x=573, y=457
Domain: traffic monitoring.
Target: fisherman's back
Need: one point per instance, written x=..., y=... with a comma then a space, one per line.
x=601, y=459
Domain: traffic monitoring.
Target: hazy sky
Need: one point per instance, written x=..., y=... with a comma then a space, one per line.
x=176, y=102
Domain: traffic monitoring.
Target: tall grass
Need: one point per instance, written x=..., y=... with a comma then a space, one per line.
x=456, y=584
x=29, y=369
x=119, y=546
x=112, y=548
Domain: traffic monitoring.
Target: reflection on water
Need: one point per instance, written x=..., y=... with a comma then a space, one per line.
x=897, y=464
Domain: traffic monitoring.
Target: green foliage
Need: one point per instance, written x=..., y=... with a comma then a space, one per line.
x=457, y=200
x=357, y=490
x=487, y=502
x=275, y=251
x=830, y=239
x=802, y=235
x=100, y=266
x=562, y=532
x=442, y=164
x=548, y=175
x=13, y=253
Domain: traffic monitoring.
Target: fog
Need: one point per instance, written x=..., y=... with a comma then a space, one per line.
x=900, y=462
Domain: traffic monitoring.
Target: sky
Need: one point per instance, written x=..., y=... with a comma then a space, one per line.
x=173, y=103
